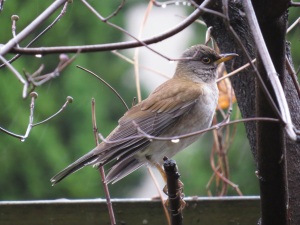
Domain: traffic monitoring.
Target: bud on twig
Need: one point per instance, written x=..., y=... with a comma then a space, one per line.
x=34, y=94
x=69, y=99
x=14, y=18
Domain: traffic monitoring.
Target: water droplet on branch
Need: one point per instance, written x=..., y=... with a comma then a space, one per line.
x=175, y=140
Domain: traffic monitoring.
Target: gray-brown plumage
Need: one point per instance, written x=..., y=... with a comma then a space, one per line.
x=183, y=104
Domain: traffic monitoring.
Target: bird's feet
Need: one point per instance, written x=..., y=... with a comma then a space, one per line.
x=179, y=194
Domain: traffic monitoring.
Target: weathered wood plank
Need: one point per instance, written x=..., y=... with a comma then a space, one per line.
x=226, y=210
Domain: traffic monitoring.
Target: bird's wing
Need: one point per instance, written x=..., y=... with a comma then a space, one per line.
x=159, y=112
x=156, y=114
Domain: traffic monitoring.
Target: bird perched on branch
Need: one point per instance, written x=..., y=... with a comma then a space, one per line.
x=183, y=104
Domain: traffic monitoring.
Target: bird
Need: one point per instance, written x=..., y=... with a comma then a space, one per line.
x=183, y=104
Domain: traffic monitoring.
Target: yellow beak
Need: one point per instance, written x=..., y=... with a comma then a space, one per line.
x=225, y=57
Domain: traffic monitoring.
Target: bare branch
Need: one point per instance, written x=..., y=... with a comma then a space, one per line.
x=69, y=100
x=176, y=139
x=269, y=66
x=43, y=32
x=113, y=46
x=32, y=26
x=30, y=125
x=101, y=169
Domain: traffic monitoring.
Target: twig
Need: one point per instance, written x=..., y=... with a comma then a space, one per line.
x=197, y=21
x=115, y=12
x=174, y=191
x=235, y=71
x=164, y=4
x=294, y=4
x=43, y=32
x=121, y=45
x=159, y=193
x=107, y=84
x=32, y=26
x=69, y=100
x=293, y=75
x=101, y=169
x=144, y=67
x=64, y=62
x=135, y=38
x=136, y=54
x=14, y=19
x=30, y=125
x=222, y=177
x=209, y=183
x=272, y=74
x=217, y=126
x=293, y=25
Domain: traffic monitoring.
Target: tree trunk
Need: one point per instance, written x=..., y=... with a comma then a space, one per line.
x=267, y=141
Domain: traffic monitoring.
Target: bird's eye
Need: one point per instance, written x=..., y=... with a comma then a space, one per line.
x=205, y=60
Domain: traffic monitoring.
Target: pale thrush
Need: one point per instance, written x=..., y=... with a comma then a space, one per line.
x=183, y=104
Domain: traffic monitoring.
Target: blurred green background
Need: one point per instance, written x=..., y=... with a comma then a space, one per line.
x=26, y=167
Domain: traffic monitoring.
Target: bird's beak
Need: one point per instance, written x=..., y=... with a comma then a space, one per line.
x=225, y=57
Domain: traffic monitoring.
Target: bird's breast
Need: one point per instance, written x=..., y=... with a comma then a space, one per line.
x=198, y=118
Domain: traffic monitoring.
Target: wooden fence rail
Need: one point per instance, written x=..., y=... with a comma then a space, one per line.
x=199, y=210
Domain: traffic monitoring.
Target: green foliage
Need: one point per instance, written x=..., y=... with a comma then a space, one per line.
x=26, y=168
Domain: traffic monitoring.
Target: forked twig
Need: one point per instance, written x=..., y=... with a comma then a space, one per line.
x=221, y=176
x=37, y=37
x=32, y=26
x=30, y=125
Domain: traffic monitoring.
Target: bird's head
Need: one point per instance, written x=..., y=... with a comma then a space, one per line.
x=202, y=67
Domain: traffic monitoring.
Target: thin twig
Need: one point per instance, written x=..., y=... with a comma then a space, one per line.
x=101, y=169
x=137, y=81
x=141, y=66
x=293, y=25
x=159, y=193
x=69, y=100
x=222, y=177
x=217, y=126
x=107, y=84
x=293, y=75
x=115, y=12
x=135, y=38
x=136, y=53
x=235, y=71
x=30, y=125
x=61, y=66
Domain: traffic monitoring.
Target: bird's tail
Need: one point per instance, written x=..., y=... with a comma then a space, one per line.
x=85, y=160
